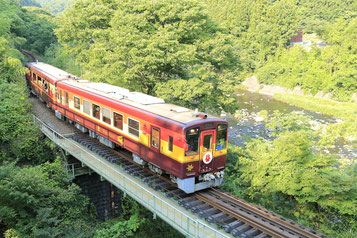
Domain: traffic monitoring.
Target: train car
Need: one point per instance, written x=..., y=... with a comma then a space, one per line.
x=189, y=146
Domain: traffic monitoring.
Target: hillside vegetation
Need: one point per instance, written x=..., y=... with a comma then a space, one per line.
x=263, y=29
x=191, y=53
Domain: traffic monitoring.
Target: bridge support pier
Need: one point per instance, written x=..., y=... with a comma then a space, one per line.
x=105, y=197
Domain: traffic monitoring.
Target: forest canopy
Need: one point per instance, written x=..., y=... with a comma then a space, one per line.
x=163, y=48
x=263, y=30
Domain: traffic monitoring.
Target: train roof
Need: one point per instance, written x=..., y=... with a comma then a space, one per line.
x=55, y=74
x=139, y=100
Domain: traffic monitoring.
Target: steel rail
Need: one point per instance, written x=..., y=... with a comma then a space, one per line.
x=255, y=216
x=29, y=55
x=292, y=225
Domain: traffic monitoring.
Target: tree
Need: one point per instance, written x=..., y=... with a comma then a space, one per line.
x=166, y=48
x=291, y=170
x=41, y=201
x=261, y=28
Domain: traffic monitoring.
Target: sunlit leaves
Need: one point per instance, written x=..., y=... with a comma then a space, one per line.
x=159, y=48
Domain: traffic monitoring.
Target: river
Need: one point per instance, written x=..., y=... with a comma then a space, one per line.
x=251, y=126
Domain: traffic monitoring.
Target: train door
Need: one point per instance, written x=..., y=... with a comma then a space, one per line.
x=45, y=86
x=155, y=139
x=58, y=96
x=206, y=149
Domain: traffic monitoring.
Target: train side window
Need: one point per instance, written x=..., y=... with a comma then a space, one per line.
x=171, y=143
x=33, y=77
x=66, y=98
x=86, y=107
x=77, y=102
x=221, y=138
x=207, y=141
x=39, y=80
x=60, y=99
x=155, y=137
x=106, y=115
x=133, y=127
x=192, y=137
x=118, y=120
x=45, y=85
x=96, y=111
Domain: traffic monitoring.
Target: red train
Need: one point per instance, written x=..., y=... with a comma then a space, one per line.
x=189, y=146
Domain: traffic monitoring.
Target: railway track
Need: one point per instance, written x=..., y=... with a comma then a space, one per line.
x=234, y=215
x=29, y=55
x=247, y=220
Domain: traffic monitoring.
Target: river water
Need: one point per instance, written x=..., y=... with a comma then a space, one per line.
x=250, y=125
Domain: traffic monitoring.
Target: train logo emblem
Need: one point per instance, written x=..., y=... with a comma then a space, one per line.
x=189, y=167
x=207, y=158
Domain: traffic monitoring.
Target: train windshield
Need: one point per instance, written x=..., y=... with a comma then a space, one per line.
x=192, y=136
x=221, y=141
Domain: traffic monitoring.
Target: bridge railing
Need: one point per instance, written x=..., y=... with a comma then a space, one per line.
x=182, y=220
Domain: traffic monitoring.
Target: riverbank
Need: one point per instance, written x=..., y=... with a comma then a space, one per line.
x=321, y=103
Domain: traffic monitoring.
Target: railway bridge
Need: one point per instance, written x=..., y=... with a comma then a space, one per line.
x=210, y=213
x=160, y=205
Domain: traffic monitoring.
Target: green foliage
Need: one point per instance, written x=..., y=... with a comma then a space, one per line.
x=263, y=114
x=18, y=136
x=56, y=55
x=341, y=110
x=37, y=27
x=11, y=69
x=29, y=28
x=120, y=229
x=347, y=128
x=262, y=28
x=318, y=14
x=331, y=69
x=290, y=176
x=41, y=201
x=294, y=121
x=166, y=48
x=136, y=221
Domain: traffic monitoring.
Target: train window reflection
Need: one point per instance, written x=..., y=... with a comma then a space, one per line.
x=133, y=127
x=207, y=139
x=192, y=136
x=39, y=80
x=106, y=115
x=86, y=107
x=77, y=102
x=221, y=140
x=66, y=98
x=171, y=143
x=118, y=120
x=96, y=111
x=155, y=138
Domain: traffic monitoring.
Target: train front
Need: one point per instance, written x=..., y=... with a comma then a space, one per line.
x=205, y=154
